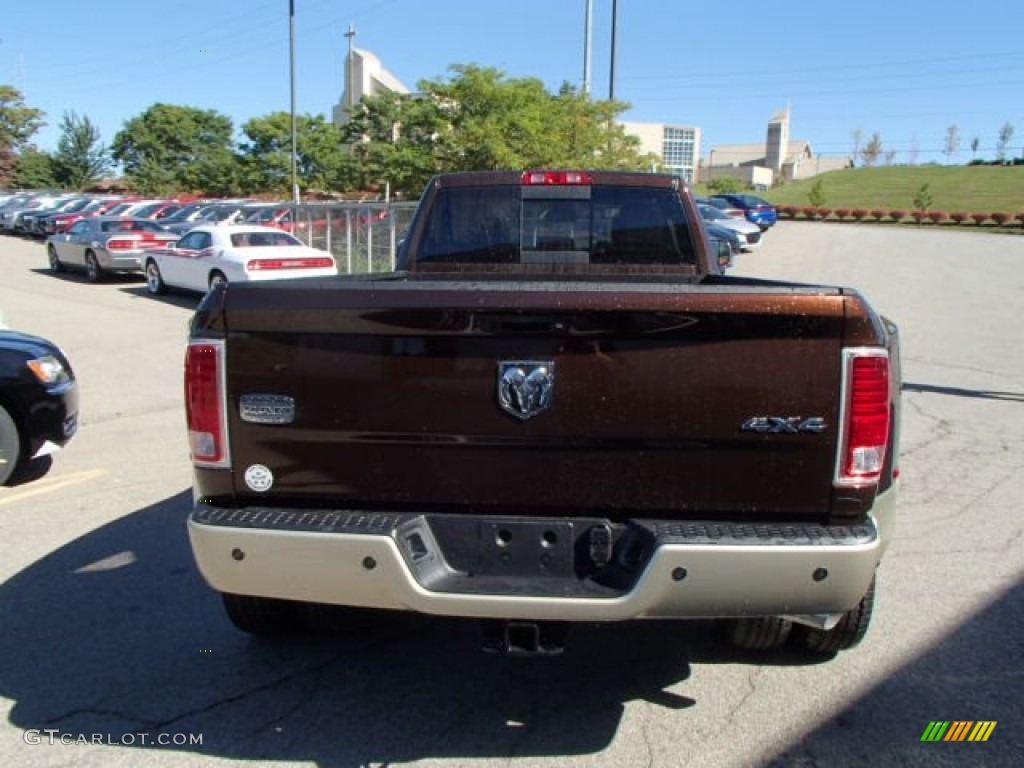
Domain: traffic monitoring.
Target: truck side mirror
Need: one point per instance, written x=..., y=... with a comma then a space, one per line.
x=723, y=251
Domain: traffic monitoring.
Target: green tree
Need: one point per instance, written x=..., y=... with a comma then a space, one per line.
x=816, y=194
x=34, y=169
x=923, y=199
x=80, y=159
x=321, y=157
x=18, y=124
x=478, y=119
x=170, y=148
x=397, y=139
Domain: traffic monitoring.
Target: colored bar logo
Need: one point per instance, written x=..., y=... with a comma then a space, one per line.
x=958, y=730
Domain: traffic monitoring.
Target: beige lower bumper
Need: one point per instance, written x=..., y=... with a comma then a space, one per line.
x=680, y=581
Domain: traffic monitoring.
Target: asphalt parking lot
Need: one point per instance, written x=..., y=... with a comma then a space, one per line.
x=113, y=649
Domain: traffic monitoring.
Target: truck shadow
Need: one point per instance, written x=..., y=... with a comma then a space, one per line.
x=982, y=394
x=181, y=299
x=116, y=634
x=971, y=675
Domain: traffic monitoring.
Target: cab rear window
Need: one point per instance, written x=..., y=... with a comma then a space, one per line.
x=592, y=225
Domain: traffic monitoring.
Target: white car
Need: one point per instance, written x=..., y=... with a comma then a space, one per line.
x=212, y=254
x=750, y=233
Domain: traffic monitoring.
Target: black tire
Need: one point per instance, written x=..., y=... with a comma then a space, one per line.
x=93, y=270
x=56, y=265
x=846, y=634
x=216, y=277
x=758, y=634
x=10, y=446
x=155, y=284
x=263, y=615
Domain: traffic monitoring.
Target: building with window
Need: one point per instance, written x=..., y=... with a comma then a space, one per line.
x=676, y=146
x=762, y=165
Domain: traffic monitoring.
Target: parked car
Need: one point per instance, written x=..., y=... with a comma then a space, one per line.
x=185, y=217
x=212, y=254
x=11, y=216
x=216, y=213
x=749, y=233
x=311, y=221
x=38, y=401
x=730, y=236
x=757, y=210
x=61, y=222
x=723, y=205
x=156, y=211
x=29, y=222
x=105, y=244
x=130, y=206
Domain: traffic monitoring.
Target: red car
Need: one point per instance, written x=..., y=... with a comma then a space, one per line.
x=281, y=217
x=158, y=210
x=54, y=225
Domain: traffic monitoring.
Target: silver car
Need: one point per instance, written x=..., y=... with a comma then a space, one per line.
x=105, y=244
x=749, y=233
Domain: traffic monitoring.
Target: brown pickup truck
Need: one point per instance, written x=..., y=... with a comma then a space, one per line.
x=558, y=409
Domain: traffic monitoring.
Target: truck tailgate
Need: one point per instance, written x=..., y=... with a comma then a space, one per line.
x=395, y=389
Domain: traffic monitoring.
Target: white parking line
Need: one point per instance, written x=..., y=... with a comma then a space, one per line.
x=41, y=487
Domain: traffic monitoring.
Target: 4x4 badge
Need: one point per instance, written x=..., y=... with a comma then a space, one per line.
x=783, y=424
x=525, y=387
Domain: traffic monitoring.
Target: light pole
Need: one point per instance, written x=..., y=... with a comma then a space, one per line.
x=291, y=62
x=588, y=34
x=615, y=29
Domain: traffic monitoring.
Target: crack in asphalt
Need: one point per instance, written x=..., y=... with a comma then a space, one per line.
x=117, y=715
x=159, y=725
x=752, y=676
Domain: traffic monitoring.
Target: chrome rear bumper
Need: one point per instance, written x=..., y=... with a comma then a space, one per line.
x=392, y=561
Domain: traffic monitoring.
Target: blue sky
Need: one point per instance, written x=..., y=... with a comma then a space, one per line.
x=906, y=70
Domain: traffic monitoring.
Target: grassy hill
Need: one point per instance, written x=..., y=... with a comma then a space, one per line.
x=953, y=188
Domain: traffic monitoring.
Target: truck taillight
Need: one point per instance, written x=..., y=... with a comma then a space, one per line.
x=555, y=178
x=263, y=265
x=205, y=404
x=865, y=416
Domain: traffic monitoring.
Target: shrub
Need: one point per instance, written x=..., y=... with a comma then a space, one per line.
x=842, y=213
x=923, y=200
x=979, y=218
x=938, y=216
x=809, y=212
x=959, y=217
x=788, y=211
x=824, y=213
x=859, y=214
x=1001, y=218
x=816, y=194
x=879, y=214
x=1020, y=218
x=897, y=215
x=724, y=185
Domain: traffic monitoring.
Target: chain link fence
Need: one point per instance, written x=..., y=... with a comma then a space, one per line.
x=362, y=237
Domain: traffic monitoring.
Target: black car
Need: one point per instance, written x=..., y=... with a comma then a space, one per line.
x=38, y=401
